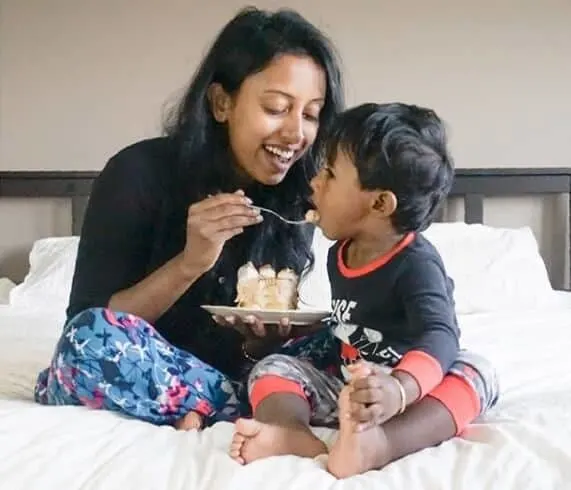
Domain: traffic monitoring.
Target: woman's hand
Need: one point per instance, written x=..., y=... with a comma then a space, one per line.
x=261, y=339
x=210, y=223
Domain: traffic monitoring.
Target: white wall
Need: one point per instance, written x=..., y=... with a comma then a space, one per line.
x=79, y=79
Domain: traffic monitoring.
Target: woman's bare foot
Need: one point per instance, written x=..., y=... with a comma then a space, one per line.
x=255, y=440
x=355, y=452
x=191, y=421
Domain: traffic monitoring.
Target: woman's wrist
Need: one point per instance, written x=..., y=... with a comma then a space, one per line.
x=247, y=355
x=186, y=271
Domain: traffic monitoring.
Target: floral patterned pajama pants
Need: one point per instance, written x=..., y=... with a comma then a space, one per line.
x=119, y=362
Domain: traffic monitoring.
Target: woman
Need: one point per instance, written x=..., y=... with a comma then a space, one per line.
x=169, y=223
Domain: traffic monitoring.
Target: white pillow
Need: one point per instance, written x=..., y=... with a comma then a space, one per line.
x=48, y=282
x=493, y=268
x=6, y=285
x=314, y=289
x=52, y=263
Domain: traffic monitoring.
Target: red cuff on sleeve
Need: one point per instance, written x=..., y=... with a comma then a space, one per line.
x=460, y=398
x=270, y=384
x=424, y=368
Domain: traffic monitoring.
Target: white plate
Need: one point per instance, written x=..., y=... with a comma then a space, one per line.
x=296, y=317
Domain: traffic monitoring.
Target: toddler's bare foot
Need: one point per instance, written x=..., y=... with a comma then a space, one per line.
x=191, y=421
x=356, y=452
x=254, y=440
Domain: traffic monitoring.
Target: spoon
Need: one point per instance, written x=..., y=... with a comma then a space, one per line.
x=285, y=220
x=310, y=216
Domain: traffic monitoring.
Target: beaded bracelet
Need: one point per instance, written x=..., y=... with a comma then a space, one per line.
x=247, y=356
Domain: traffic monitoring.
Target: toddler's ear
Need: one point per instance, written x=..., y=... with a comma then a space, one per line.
x=385, y=203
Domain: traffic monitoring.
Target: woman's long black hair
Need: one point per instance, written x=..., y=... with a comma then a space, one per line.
x=247, y=45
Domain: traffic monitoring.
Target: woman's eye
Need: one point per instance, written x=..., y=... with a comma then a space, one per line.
x=311, y=117
x=275, y=111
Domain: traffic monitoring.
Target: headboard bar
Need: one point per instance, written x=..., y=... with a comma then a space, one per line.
x=474, y=185
x=474, y=208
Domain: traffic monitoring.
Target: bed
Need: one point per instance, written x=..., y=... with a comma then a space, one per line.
x=507, y=308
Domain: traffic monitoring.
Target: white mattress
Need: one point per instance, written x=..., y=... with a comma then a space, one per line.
x=525, y=443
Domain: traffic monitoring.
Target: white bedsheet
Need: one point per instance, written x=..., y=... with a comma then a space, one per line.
x=525, y=443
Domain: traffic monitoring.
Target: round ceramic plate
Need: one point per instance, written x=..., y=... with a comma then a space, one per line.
x=296, y=317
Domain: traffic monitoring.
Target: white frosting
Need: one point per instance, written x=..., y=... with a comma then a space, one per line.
x=287, y=274
x=267, y=272
x=247, y=272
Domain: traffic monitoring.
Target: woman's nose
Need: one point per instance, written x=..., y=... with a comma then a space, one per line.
x=293, y=129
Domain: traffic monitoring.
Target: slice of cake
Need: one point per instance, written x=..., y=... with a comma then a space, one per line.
x=263, y=289
x=312, y=216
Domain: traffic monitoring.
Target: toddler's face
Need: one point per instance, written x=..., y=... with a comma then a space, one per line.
x=342, y=204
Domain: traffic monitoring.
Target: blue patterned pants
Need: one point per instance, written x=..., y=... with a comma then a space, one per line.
x=119, y=362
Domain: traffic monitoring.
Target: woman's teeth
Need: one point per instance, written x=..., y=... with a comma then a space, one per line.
x=284, y=154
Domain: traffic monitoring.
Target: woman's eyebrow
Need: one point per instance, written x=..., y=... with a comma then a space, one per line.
x=290, y=96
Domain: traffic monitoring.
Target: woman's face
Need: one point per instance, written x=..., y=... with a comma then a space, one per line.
x=274, y=117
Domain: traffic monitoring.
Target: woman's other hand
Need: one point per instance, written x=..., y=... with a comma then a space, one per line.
x=210, y=223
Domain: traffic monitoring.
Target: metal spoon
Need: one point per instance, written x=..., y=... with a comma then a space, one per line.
x=285, y=220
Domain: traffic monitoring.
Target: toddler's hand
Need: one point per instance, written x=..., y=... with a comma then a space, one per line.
x=375, y=395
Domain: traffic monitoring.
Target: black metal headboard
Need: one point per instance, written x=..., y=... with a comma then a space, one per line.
x=72, y=185
x=472, y=185
x=475, y=184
